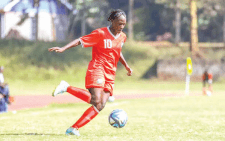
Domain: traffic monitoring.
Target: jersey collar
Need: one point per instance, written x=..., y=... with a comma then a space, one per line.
x=113, y=34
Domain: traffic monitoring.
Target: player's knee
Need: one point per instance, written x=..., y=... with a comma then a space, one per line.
x=102, y=107
x=95, y=99
x=96, y=102
x=99, y=105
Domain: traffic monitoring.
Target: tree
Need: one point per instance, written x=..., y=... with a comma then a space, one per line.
x=52, y=20
x=84, y=16
x=194, y=27
x=177, y=22
x=216, y=8
x=130, y=20
x=178, y=6
x=89, y=15
x=36, y=5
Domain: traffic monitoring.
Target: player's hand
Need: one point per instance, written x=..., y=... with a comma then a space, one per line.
x=56, y=49
x=129, y=71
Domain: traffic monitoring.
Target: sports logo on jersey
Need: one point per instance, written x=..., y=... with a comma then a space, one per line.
x=122, y=43
x=99, y=81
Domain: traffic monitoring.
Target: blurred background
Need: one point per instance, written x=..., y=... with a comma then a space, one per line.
x=161, y=35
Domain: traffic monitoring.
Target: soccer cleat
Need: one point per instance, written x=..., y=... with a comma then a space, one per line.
x=72, y=131
x=61, y=88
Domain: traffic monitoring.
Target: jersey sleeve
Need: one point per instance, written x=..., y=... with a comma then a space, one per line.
x=91, y=39
x=125, y=39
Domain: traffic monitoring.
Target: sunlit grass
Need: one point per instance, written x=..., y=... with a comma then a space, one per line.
x=128, y=86
x=181, y=118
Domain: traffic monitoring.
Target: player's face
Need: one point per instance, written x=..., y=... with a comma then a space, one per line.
x=119, y=23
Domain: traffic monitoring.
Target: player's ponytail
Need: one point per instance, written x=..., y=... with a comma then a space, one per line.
x=116, y=14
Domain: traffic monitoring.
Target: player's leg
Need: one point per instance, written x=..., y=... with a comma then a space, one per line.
x=98, y=101
x=95, y=84
x=105, y=97
x=91, y=81
x=210, y=88
x=99, y=97
x=204, y=90
x=109, y=85
x=88, y=115
x=204, y=87
x=77, y=92
x=210, y=85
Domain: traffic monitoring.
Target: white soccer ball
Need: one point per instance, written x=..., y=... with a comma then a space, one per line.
x=118, y=118
x=111, y=98
x=208, y=93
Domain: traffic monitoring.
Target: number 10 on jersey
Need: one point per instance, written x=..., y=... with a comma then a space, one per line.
x=107, y=43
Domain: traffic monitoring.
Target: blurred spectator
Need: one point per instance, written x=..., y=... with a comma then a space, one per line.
x=207, y=78
x=4, y=93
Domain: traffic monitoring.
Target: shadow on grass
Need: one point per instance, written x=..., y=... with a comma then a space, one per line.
x=30, y=134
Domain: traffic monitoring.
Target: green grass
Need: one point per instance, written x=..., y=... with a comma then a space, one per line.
x=32, y=61
x=127, y=86
x=182, y=118
x=26, y=61
x=31, y=70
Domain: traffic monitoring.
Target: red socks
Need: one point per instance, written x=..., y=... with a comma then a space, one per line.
x=80, y=93
x=88, y=115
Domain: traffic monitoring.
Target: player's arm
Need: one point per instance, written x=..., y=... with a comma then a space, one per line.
x=204, y=83
x=74, y=43
x=123, y=61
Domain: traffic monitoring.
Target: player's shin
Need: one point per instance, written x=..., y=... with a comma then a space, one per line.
x=88, y=115
x=80, y=93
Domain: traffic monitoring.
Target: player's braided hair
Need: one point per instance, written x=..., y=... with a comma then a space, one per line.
x=116, y=14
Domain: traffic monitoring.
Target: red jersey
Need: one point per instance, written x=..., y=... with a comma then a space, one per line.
x=205, y=77
x=106, y=49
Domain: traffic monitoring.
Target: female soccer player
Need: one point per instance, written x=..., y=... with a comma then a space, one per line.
x=106, y=46
x=207, y=78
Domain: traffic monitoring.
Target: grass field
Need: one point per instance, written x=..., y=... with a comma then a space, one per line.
x=128, y=86
x=191, y=118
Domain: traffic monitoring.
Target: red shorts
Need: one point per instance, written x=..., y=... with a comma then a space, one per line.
x=98, y=79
